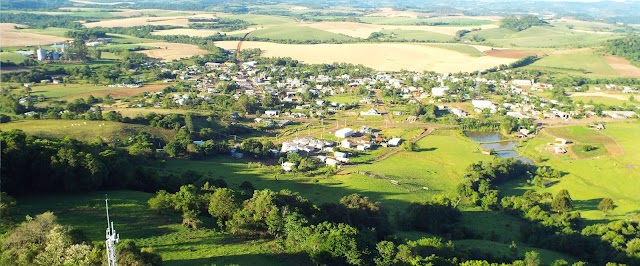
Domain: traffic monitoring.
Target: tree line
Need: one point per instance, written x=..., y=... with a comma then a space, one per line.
x=522, y=23
x=627, y=47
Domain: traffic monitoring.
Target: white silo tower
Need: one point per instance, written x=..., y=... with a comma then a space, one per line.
x=41, y=53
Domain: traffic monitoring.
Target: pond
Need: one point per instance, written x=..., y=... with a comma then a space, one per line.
x=497, y=142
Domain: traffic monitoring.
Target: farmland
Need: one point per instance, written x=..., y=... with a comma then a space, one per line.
x=74, y=91
x=389, y=56
x=171, y=51
x=12, y=37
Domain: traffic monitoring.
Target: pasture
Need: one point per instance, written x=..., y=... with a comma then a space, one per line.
x=593, y=178
x=12, y=57
x=88, y=131
x=182, y=21
x=298, y=33
x=543, y=37
x=580, y=63
x=386, y=56
x=74, y=91
x=134, y=220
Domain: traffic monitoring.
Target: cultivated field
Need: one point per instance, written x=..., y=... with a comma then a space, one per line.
x=9, y=36
x=622, y=66
x=544, y=37
x=583, y=62
x=381, y=56
x=143, y=21
x=607, y=175
x=189, y=32
x=362, y=30
x=170, y=51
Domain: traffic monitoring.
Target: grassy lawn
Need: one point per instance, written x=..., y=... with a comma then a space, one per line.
x=134, y=220
x=90, y=131
x=300, y=33
x=344, y=98
x=583, y=152
x=591, y=179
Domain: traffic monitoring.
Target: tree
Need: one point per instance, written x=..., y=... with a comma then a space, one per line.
x=606, y=205
x=223, y=204
x=532, y=258
x=409, y=146
x=162, y=202
x=562, y=202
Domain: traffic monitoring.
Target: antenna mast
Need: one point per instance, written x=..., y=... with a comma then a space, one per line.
x=112, y=237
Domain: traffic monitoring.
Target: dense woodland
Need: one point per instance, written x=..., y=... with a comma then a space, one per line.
x=522, y=23
x=628, y=47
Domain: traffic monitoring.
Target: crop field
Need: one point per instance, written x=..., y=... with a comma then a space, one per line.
x=60, y=32
x=171, y=51
x=407, y=20
x=134, y=220
x=386, y=56
x=462, y=48
x=143, y=21
x=12, y=37
x=599, y=95
x=609, y=101
x=189, y=32
x=84, y=130
x=622, y=66
x=541, y=37
x=591, y=179
x=417, y=35
x=576, y=63
x=300, y=33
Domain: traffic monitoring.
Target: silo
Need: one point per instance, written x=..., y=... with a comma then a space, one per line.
x=41, y=53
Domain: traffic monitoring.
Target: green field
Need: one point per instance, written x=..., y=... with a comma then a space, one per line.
x=602, y=100
x=576, y=63
x=60, y=32
x=12, y=57
x=68, y=91
x=591, y=179
x=543, y=37
x=417, y=35
x=84, y=130
x=462, y=48
x=298, y=33
x=263, y=20
x=416, y=21
x=134, y=220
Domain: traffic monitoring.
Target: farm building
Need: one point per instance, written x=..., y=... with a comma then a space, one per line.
x=394, y=142
x=370, y=112
x=559, y=150
x=346, y=144
x=522, y=82
x=344, y=133
x=287, y=166
x=560, y=141
x=619, y=114
x=272, y=113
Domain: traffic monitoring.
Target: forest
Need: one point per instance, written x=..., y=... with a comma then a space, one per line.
x=520, y=24
x=628, y=47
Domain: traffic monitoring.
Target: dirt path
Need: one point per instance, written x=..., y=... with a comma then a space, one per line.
x=383, y=108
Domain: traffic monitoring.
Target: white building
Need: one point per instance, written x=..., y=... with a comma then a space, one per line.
x=439, y=91
x=483, y=104
x=344, y=133
x=394, y=141
x=272, y=113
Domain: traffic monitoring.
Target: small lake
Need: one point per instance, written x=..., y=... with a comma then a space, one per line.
x=497, y=142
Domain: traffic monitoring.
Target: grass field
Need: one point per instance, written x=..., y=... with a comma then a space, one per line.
x=74, y=91
x=540, y=37
x=172, y=51
x=601, y=100
x=403, y=20
x=589, y=180
x=462, y=48
x=82, y=130
x=417, y=35
x=60, y=32
x=381, y=56
x=576, y=63
x=134, y=220
x=299, y=33
x=12, y=57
